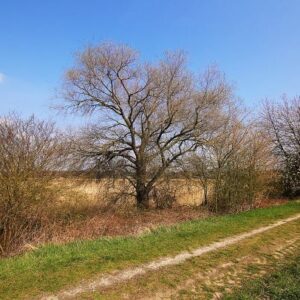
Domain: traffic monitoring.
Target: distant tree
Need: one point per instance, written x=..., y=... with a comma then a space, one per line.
x=149, y=114
x=281, y=121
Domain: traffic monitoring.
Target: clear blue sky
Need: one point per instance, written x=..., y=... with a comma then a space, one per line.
x=255, y=42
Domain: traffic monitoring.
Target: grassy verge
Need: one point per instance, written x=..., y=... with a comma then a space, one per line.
x=214, y=274
x=52, y=267
x=284, y=284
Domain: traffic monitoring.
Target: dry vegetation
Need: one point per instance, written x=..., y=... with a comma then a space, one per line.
x=29, y=151
x=167, y=145
x=80, y=209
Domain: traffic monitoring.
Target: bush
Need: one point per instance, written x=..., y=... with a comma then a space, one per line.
x=30, y=152
x=163, y=197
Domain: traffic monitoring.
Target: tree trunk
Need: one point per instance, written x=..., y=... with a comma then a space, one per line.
x=142, y=196
x=142, y=189
x=205, y=191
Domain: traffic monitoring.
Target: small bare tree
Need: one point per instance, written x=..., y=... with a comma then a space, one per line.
x=207, y=162
x=231, y=165
x=241, y=178
x=282, y=124
x=149, y=113
x=30, y=152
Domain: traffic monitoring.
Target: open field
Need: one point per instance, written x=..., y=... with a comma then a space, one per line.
x=145, y=170
x=185, y=191
x=52, y=267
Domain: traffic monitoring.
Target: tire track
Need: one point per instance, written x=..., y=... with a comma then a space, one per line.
x=108, y=280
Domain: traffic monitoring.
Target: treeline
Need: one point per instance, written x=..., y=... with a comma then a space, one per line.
x=152, y=121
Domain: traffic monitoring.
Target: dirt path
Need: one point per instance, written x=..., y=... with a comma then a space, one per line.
x=108, y=280
x=213, y=281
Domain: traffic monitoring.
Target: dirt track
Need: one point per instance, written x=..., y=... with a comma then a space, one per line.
x=110, y=279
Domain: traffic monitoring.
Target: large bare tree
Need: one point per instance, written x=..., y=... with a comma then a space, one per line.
x=148, y=114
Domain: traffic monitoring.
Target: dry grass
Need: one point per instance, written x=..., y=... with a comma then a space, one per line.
x=185, y=191
x=82, y=210
x=87, y=209
x=115, y=224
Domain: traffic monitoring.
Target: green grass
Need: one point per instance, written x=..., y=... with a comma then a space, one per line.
x=203, y=276
x=53, y=267
x=284, y=284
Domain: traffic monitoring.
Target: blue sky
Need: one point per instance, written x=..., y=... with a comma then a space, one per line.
x=255, y=42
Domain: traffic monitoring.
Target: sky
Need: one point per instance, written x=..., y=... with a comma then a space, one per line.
x=256, y=43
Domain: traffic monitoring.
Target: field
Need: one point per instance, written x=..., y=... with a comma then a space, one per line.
x=155, y=174
x=86, y=209
x=52, y=268
x=185, y=191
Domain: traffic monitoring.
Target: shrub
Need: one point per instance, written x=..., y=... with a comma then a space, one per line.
x=30, y=152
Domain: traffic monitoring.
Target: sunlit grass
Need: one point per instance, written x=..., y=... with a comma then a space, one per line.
x=53, y=267
x=284, y=284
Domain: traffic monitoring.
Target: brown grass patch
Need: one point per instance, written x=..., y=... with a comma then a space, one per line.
x=116, y=224
x=81, y=211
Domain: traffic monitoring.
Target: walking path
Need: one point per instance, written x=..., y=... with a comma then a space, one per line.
x=127, y=274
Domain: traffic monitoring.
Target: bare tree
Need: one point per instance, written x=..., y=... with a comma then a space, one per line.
x=282, y=123
x=207, y=163
x=30, y=153
x=149, y=113
x=230, y=167
x=243, y=177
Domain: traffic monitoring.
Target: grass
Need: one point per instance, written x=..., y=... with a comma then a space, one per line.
x=53, y=267
x=215, y=272
x=284, y=284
